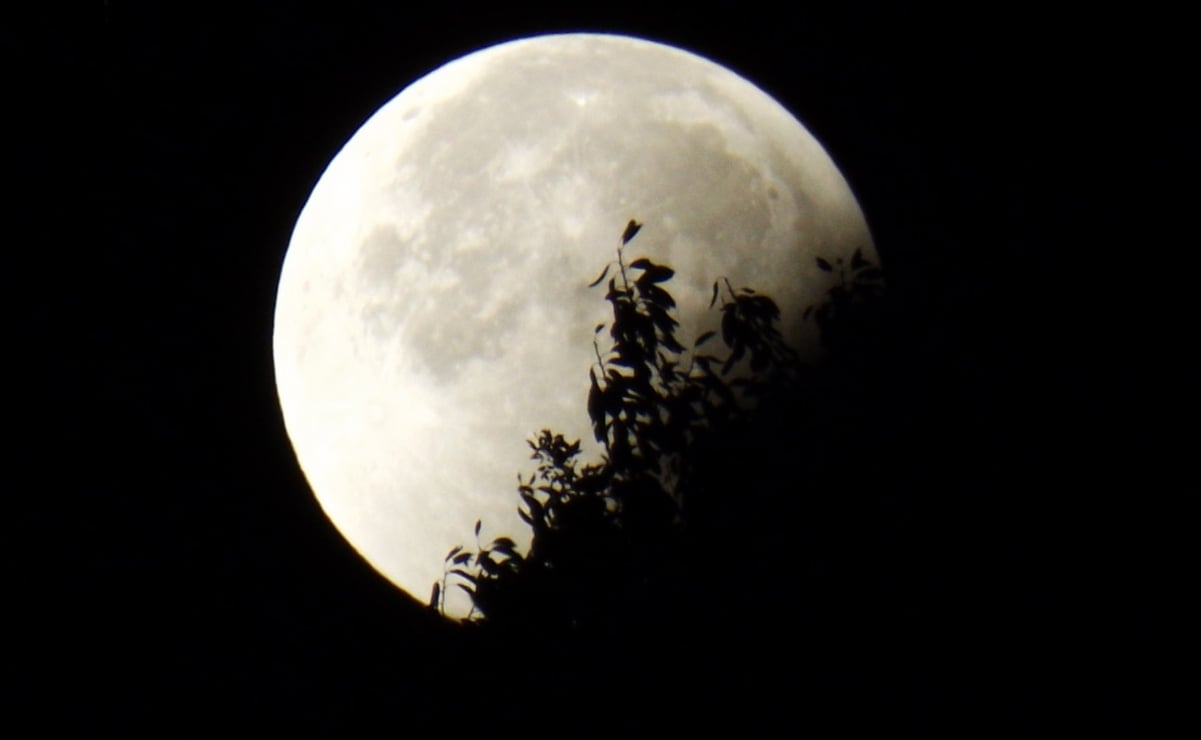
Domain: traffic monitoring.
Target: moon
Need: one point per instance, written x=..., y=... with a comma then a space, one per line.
x=433, y=311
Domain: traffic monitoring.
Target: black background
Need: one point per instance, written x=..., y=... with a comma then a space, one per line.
x=170, y=569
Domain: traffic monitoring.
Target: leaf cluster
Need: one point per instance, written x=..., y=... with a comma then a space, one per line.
x=850, y=312
x=606, y=532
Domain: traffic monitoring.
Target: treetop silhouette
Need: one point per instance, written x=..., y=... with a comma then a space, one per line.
x=617, y=532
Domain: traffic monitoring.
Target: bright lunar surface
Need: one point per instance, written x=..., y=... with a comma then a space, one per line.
x=433, y=310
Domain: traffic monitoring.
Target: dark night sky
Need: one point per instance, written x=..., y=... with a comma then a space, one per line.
x=172, y=565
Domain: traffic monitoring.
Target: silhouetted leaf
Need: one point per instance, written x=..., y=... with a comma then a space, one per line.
x=462, y=557
x=532, y=502
x=598, y=328
x=714, y=298
x=477, y=527
x=470, y=591
x=631, y=229
x=659, y=296
x=434, y=594
x=596, y=405
x=825, y=266
x=613, y=293
x=490, y=566
x=654, y=273
x=454, y=551
x=504, y=542
x=600, y=277
x=704, y=338
x=729, y=327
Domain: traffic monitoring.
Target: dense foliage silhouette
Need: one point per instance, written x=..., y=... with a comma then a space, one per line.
x=637, y=531
x=765, y=539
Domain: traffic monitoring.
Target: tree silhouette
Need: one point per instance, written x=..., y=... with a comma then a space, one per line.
x=836, y=544
x=645, y=527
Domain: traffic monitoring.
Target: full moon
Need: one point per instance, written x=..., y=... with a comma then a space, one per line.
x=433, y=310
